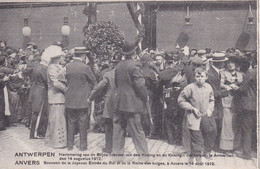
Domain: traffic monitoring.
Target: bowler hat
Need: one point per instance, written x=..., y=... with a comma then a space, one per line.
x=128, y=48
x=33, y=44
x=193, y=50
x=218, y=57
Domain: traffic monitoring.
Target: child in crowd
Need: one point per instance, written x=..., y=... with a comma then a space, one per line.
x=197, y=99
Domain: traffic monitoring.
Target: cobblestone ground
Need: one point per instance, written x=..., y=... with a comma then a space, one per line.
x=16, y=140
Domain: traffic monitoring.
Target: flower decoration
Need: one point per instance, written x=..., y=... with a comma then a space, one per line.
x=103, y=39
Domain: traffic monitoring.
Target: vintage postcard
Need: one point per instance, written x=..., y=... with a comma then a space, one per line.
x=129, y=84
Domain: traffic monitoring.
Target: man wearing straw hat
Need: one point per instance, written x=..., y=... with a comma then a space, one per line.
x=80, y=81
x=218, y=62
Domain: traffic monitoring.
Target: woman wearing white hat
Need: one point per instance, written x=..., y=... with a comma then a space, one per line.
x=56, y=134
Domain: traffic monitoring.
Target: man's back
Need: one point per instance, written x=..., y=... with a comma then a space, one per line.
x=39, y=74
x=80, y=81
x=131, y=86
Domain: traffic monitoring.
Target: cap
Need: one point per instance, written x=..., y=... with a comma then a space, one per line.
x=146, y=57
x=196, y=60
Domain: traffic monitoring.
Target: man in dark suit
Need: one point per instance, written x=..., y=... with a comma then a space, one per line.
x=218, y=62
x=151, y=83
x=105, y=88
x=247, y=111
x=132, y=98
x=80, y=81
x=39, y=100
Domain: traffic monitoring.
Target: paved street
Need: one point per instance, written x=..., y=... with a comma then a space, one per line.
x=16, y=140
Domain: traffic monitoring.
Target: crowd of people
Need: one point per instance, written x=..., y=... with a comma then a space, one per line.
x=204, y=100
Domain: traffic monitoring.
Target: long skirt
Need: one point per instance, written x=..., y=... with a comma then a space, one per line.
x=227, y=133
x=56, y=134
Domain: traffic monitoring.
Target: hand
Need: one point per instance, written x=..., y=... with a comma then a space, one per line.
x=228, y=88
x=209, y=113
x=196, y=112
x=234, y=87
x=6, y=78
x=177, y=88
x=16, y=71
x=151, y=121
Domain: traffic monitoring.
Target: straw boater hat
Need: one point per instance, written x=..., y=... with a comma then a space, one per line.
x=80, y=50
x=218, y=57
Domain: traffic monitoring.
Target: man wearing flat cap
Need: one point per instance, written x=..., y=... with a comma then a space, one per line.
x=132, y=97
x=218, y=62
x=189, y=69
x=171, y=88
x=80, y=81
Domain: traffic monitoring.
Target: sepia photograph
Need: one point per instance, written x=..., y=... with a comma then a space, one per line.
x=129, y=84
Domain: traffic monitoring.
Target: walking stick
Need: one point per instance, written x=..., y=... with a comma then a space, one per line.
x=39, y=118
x=149, y=111
x=163, y=103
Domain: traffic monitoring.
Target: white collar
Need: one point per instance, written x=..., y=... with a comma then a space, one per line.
x=217, y=69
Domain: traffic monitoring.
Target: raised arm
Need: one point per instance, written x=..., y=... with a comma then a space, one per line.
x=98, y=88
x=183, y=99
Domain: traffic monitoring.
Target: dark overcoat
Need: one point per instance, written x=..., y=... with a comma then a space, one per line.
x=214, y=81
x=151, y=81
x=80, y=81
x=40, y=87
x=107, y=84
x=130, y=83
